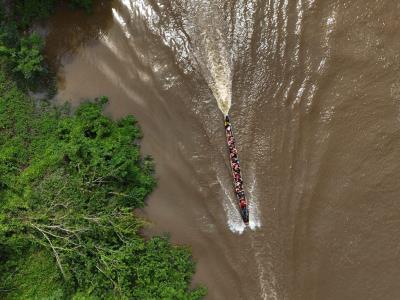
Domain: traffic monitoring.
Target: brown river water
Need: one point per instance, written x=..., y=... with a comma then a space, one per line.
x=313, y=89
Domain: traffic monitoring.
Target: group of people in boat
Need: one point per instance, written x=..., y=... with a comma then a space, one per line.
x=235, y=165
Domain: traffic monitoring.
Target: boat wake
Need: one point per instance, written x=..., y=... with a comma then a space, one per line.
x=234, y=219
x=254, y=221
x=202, y=42
x=218, y=73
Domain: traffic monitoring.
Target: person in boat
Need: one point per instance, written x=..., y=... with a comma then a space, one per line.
x=238, y=177
x=242, y=203
x=241, y=194
x=238, y=184
x=236, y=167
x=227, y=122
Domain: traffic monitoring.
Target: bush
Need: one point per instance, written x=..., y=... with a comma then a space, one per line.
x=28, y=59
x=69, y=187
x=84, y=4
x=27, y=11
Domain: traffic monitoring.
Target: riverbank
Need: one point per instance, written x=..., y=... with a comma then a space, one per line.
x=69, y=183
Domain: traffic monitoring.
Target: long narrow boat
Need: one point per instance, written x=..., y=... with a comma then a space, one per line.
x=236, y=174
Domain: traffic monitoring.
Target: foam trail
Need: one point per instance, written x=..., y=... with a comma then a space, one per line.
x=266, y=276
x=254, y=219
x=235, y=222
x=220, y=75
x=234, y=219
x=209, y=49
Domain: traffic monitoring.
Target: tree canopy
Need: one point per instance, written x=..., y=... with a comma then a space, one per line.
x=69, y=184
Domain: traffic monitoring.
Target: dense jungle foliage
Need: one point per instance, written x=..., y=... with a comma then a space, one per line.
x=69, y=182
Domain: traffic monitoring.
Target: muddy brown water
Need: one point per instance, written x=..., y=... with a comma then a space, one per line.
x=315, y=102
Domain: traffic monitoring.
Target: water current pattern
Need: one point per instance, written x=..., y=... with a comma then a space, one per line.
x=312, y=88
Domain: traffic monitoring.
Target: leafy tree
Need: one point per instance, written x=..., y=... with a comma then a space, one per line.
x=20, y=56
x=25, y=61
x=27, y=11
x=85, y=4
x=69, y=185
x=28, y=59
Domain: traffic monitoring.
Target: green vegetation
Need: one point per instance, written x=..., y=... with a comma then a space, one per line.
x=27, y=11
x=69, y=183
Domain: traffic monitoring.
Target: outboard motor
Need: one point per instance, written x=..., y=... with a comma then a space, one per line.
x=245, y=214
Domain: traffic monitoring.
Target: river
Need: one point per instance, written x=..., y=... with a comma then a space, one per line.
x=313, y=91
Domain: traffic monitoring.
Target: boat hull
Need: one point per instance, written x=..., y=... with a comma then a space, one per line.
x=236, y=171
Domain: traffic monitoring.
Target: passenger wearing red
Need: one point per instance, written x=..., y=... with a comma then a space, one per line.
x=242, y=203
